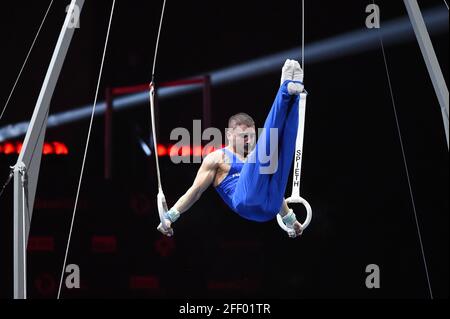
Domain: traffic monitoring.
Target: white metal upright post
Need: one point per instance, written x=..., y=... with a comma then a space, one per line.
x=434, y=69
x=26, y=170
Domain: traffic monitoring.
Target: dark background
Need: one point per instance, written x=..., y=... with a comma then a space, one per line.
x=354, y=175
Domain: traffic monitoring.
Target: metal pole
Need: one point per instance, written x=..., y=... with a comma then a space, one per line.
x=430, y=58
x=26, y=170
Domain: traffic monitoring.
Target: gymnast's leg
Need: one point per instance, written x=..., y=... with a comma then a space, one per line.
x=259, y=196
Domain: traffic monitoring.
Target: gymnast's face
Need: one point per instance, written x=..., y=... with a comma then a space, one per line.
x=242, y=138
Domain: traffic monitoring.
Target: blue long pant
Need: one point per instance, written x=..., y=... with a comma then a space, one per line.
x=259, y=196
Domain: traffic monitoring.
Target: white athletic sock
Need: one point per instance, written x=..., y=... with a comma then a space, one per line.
x=287, y=72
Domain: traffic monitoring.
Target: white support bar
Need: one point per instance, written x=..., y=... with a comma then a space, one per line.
x=434, y=69
x=26, y=170
x=297, y=169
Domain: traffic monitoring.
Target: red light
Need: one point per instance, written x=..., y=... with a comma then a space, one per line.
x=162, y=150
x=184, y=150
x=174, y=150
x=60, y=148
x=47, y=149
x=197, y=151
x=9, y=148
x=18, y=147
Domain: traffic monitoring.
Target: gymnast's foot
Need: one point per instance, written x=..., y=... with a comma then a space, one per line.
x=295, y=88
x=287, y=72
x=298, y=72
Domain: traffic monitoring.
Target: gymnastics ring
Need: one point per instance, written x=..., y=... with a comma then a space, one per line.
x=296, y=200
x=162, y=209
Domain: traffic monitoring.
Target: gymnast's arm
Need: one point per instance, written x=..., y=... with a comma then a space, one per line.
x=205, y=177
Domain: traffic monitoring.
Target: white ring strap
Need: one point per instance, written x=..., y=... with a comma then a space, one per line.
x=295, y=197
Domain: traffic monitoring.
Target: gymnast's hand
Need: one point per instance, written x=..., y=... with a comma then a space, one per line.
x=297, y=228
x=290, y=220
x=167, y=230
x=168, y=219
